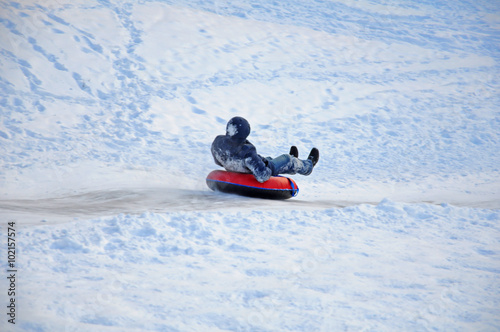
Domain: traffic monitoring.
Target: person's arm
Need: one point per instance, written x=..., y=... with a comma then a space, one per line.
x=213, y=149
x=256, y=165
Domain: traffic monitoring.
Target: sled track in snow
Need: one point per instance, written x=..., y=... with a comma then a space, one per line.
x=137, y=201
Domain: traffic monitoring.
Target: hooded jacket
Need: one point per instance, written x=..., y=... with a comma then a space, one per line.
x=236, y=154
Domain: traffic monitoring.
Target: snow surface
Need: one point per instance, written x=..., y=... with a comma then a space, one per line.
x=108, y=109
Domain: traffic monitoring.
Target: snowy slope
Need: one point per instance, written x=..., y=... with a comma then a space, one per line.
x=143, y=89
x=108, y=109
x=393, y=267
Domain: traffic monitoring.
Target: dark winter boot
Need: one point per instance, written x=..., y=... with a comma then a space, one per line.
x=294, y=151
x=314, y=156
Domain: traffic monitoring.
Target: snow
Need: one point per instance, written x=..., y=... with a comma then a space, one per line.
x=231, y=129
x=108, y=109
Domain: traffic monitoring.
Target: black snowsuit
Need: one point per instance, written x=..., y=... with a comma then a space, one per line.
x=236, y=154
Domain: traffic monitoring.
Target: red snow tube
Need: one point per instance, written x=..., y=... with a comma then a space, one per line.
x=277, y=187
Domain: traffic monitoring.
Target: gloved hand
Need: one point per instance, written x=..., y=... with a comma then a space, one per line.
x=269, y=164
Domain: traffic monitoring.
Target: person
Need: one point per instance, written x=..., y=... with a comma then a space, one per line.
x=236, y=154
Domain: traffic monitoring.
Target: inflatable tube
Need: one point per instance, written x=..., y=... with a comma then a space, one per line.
x=277, y=187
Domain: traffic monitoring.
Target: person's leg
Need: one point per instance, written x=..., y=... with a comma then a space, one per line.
x=287, y=164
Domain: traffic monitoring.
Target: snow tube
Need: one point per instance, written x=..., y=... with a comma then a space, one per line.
x=277, y=187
